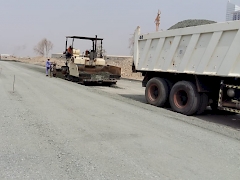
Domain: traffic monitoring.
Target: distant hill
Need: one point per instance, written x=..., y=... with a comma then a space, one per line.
x=190, y=23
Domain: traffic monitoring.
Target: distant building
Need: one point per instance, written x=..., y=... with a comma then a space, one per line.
x=4, y=56
x=236, y=15
x=232, y=12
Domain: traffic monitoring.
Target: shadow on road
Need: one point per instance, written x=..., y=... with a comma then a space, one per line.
x=221, y=118
x=139, y=97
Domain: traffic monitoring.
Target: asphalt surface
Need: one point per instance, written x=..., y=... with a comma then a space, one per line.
x=55, y=129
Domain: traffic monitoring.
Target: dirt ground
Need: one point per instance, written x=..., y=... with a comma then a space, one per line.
x=126, y=65
x=55, y=129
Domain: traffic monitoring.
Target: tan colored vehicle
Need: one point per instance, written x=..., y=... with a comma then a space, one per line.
x=88, y=67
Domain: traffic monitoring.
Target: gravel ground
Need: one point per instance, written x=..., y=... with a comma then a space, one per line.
x=55, y=129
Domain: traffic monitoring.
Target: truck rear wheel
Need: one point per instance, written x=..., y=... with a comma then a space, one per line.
x=184, y=98
x=157, y=92
x=170, y=85
x=202, y=104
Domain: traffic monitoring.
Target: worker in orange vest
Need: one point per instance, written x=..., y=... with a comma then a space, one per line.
x=69, y=51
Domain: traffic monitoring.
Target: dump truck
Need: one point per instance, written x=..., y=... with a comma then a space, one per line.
x=191, y=68
x=89, y=66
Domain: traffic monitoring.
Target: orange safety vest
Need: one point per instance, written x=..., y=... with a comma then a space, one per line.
x=70, y=50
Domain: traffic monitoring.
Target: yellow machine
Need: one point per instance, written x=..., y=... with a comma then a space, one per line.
x=88, y=67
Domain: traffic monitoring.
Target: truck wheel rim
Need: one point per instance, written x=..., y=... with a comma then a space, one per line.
x=153, y=92
x=181, y=99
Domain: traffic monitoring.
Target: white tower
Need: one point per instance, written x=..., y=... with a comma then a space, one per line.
x=230, y=9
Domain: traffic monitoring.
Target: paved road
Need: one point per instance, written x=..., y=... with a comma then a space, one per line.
x=54, y=129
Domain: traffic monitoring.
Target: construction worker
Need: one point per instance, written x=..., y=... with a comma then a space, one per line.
x=69, y=52
x=48, y=65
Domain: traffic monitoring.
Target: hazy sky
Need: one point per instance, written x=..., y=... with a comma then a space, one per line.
x=25, y=22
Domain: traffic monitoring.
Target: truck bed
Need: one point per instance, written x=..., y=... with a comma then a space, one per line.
x=212, y=49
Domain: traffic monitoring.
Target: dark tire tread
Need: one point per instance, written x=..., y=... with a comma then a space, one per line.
x=163, y=90
x=193, y=98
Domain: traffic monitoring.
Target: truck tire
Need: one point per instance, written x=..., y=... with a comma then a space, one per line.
x=202, y=104
x=184, y=98
x=156, y=92
x=170, y=85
